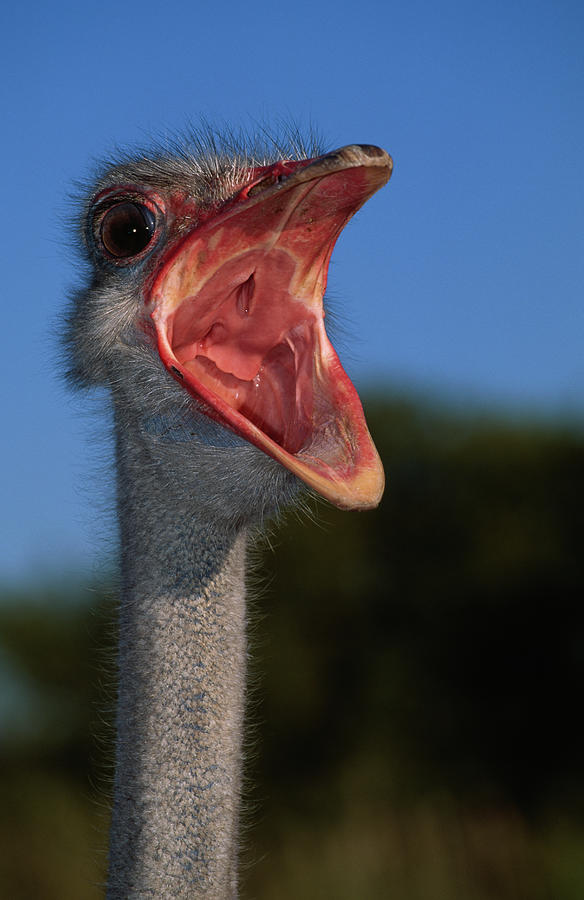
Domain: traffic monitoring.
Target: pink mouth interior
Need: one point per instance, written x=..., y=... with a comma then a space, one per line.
x=246, y=338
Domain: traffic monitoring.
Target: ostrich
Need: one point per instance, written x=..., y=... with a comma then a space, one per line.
x=203, y=316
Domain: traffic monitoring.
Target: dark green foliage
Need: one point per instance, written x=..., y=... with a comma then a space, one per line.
x=420, y=671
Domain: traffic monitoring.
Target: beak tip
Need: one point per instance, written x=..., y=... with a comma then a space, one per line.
x=366, y=493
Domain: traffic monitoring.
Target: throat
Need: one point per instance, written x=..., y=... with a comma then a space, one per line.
x=180, y=706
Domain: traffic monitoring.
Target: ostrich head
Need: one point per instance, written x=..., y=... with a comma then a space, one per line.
x=204, y=315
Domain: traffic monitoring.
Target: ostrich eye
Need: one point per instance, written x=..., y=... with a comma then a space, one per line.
x=126, y=229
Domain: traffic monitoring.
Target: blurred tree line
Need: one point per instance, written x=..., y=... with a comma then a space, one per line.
x=416, y=696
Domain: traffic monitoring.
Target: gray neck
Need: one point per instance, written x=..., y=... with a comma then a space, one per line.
x=181, y=692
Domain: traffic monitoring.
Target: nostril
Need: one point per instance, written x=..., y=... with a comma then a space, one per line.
x=262, y=185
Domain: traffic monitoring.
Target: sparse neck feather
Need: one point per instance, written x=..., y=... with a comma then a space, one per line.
x=181, y=693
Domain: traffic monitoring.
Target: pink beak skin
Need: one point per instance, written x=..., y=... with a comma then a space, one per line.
x=238, y=312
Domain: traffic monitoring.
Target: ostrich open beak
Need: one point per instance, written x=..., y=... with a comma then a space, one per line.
x=238, y=311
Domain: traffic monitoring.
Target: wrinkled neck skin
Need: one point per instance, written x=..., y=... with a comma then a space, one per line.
x=182, y=650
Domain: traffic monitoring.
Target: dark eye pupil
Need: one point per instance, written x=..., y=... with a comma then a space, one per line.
x=126, y=229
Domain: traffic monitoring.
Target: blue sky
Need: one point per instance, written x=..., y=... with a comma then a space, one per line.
x=463, y=277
